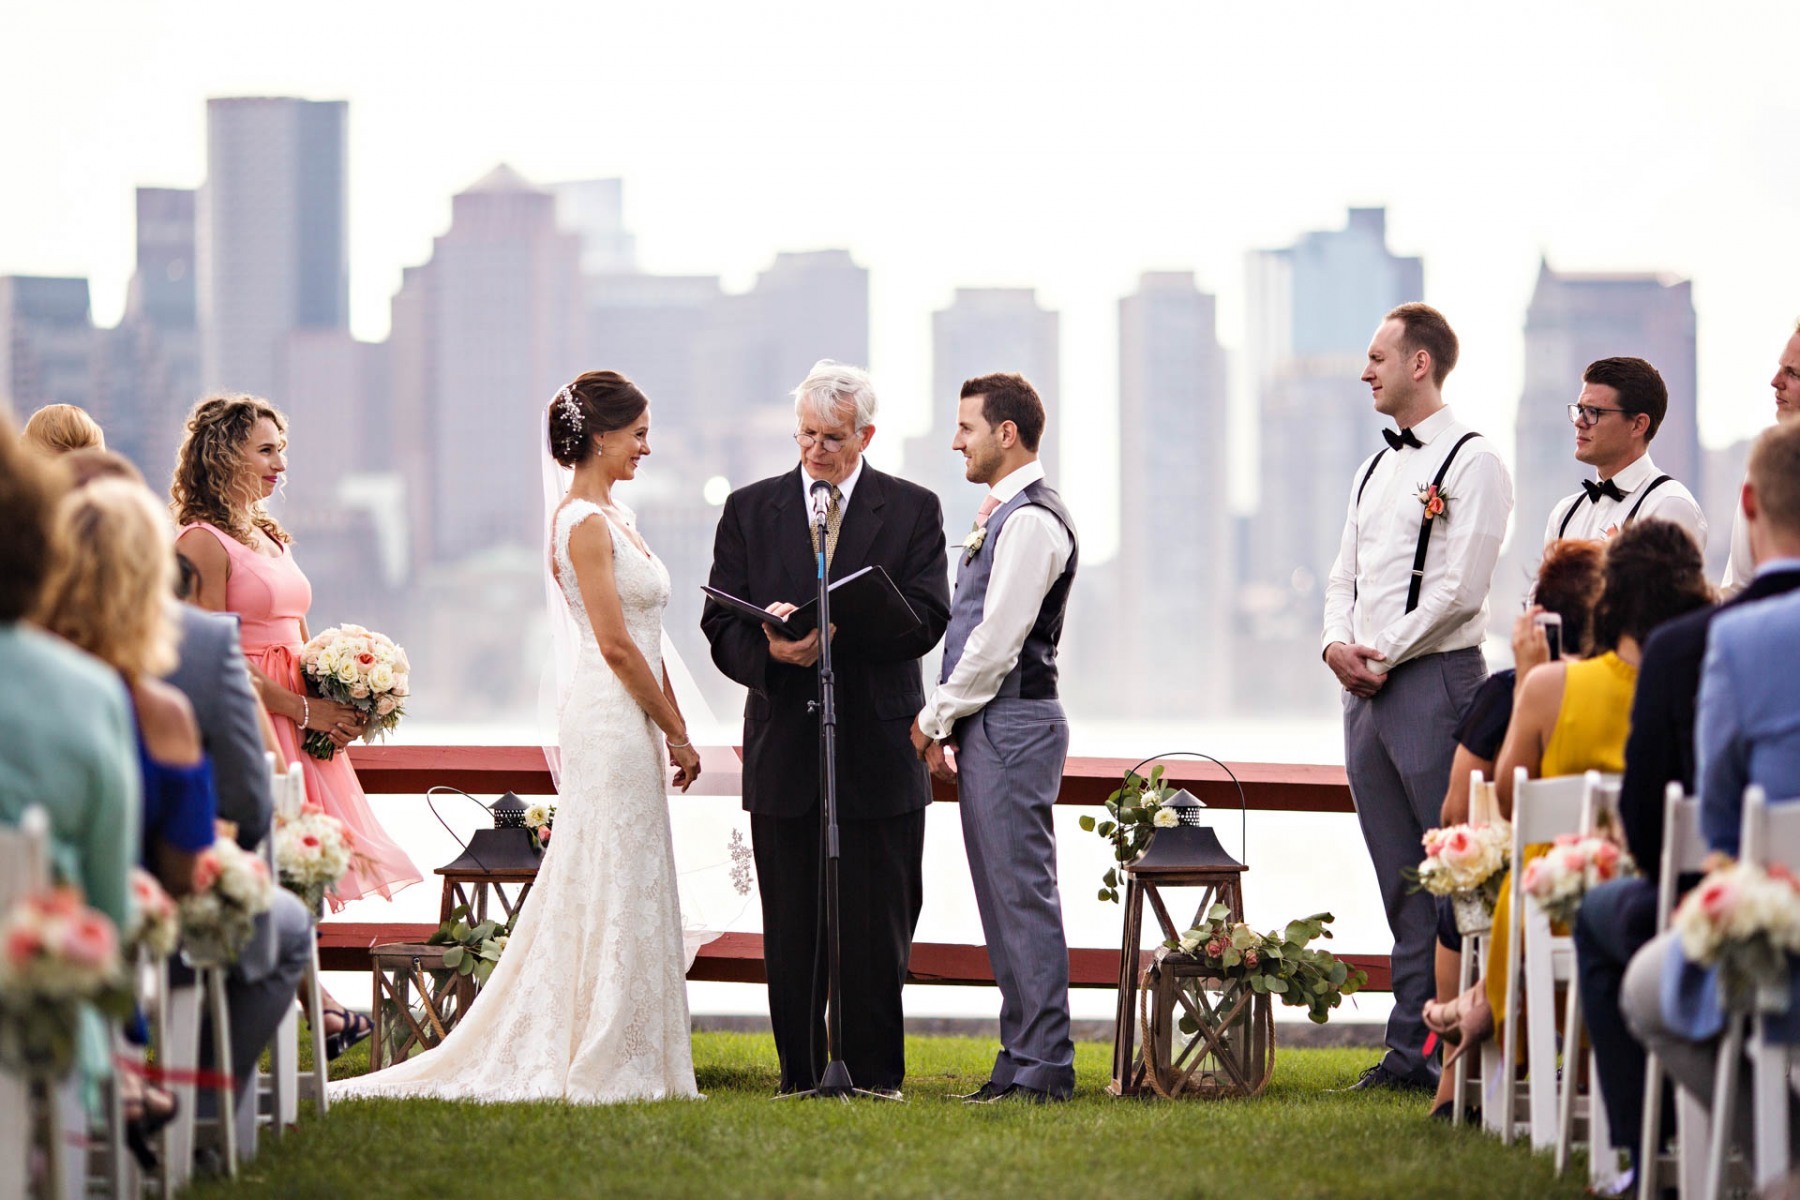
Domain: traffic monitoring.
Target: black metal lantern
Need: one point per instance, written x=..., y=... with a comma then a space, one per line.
x=506, y=855
x=1187, y=854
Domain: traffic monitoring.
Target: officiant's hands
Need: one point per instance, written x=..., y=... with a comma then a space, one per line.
x=801, y=653
x=1350, y=663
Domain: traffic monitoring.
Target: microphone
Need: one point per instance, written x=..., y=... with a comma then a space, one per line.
x=821, y=501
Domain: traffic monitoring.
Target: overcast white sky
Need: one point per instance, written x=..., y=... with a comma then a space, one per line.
x=1066, y=147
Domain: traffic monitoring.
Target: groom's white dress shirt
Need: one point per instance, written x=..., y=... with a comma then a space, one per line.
x=1030, y=553
x=1597, y=520
x=1365, y=595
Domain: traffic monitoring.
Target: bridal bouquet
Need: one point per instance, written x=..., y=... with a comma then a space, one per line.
x=312, y=852
x=1280, y=963
x=1561, y=876
x=1746, y=921
x=155, y=924
x=365, y=670
x=540, y=818
x=1138, y=809
x=55, y=951
x=231, y=888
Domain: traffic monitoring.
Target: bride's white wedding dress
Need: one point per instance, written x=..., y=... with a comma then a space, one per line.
x=588, y=1002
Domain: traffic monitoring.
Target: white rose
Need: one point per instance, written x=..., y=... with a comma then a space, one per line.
x=381, y=677
x=536, y=815
x=347, y=673
x=1166, y=818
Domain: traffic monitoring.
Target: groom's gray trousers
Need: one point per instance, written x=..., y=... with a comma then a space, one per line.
x=1398, y=745
x=1009, y=760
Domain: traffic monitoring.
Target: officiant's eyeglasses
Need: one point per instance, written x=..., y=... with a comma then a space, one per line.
x=1589, y=414
x=833, y=443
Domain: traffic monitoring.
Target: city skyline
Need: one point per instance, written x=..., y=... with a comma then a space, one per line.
x=1178, y=150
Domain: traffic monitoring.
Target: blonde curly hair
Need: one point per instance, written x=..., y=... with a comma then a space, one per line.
x=210, y=464
x=111, y=585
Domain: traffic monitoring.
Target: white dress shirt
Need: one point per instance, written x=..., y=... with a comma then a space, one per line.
x=1365, y=595
x=1030, y=552
x=844, y=489
x=1597, y=520
x=1740, y=568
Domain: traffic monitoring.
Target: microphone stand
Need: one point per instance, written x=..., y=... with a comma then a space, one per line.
x=836, y=1082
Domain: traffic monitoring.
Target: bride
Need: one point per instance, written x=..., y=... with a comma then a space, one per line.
x=588, y=1003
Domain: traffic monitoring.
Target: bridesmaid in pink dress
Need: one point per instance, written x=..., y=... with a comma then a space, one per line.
x=232, y=457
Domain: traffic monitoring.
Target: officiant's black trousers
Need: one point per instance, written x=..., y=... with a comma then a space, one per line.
x=879, y=895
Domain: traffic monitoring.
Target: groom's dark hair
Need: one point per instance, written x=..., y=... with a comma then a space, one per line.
x=1009, y=397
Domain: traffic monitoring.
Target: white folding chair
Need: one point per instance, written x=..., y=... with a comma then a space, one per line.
x=1771, y=834
x=280, y=1087
x=1483, y=810
x=24, y=868
x=1600, y=809
x=1682, y=853
x=1542, y=810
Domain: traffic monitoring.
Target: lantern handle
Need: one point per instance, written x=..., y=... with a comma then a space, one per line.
x=1243, y=805
x=444, y=787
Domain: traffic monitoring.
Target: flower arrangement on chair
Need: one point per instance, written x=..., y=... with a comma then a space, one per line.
x=1745, y=920
x=1467, y=864
x=1560, y=877
x=55, y=951
x=155, y=927
x=231, y=889
x=313, y=849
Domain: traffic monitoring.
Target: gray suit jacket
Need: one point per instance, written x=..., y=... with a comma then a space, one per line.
x=1749, y=714
x=213, y=676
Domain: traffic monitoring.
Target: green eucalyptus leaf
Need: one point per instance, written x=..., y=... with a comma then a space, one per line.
x=1276, y=984
x=1086, y=822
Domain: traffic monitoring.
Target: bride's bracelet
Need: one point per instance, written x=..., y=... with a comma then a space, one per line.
x=305, y=712
x=681, y=745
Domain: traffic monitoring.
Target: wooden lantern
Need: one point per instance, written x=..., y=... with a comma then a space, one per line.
x=1185, y=855
x=418, y=1001
x=495, y=860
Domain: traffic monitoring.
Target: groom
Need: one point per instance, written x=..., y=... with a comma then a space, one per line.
x=996, y=711
x=763, y=552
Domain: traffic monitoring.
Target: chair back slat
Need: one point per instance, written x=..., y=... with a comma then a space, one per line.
x=1771, y=831
x=24, y=856
x=1684, y=849
x=1544, y=808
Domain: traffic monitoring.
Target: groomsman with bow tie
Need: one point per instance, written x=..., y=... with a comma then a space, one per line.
x=1620, y=408
x=1405, y=611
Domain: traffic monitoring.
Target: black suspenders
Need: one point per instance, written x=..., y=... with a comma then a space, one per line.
x=1425, y=524
x=1582, y=499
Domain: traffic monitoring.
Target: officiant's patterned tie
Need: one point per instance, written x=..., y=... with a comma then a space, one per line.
x=834, y=515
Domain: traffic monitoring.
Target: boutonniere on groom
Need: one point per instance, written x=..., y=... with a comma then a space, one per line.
x=972, y=543
x=1437, y=504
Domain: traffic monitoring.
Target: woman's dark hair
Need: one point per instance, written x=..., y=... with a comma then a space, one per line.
x=29, y=490
x=1568, y=583
x=1653, y=573
x=596, y=402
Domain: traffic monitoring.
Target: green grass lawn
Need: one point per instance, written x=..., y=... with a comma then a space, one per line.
x=1298, y=1139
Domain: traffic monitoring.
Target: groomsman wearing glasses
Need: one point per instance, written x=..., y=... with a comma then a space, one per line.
x=764, y=552
x=1621, y=406
x=1405, y=611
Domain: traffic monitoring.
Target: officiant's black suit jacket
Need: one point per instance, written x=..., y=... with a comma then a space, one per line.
x=763, y=553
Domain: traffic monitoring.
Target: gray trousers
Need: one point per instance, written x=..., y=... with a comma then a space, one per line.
x=1689, y=1063
x=1009, y=761
x=1397, y=750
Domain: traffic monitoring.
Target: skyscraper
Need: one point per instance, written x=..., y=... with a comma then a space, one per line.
x=1174, y=595
x=984, y=331
x=273, y=234
x=1312, y=309
x=152, y=372
x=594, y=210
x=1573, y=320
x=47, y=342
x=484, y=335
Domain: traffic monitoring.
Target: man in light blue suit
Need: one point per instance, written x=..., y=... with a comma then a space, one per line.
x=1747, y=731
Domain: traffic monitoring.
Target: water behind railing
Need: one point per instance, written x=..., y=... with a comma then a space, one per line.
x=1300, y=863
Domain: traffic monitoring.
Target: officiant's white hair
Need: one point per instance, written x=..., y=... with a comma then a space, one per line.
x=828, y=387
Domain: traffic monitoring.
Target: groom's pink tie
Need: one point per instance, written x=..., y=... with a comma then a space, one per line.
x=989, y=503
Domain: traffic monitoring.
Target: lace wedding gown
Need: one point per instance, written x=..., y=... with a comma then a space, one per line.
x=588, y=1002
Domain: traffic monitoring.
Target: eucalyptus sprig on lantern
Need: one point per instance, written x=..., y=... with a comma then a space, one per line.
x=474, y=949
x=1281, y=963
x=1137, y=809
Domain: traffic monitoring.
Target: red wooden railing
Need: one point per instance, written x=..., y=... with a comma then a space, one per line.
x=737, y=957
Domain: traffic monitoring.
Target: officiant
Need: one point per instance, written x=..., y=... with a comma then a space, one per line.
x=764, y=552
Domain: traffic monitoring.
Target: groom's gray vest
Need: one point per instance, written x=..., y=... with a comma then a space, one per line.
x=1034, y=678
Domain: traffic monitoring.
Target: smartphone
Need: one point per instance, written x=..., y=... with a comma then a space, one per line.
x=1551, y=624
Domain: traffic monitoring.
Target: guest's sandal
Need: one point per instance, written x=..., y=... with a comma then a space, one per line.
x=355, y=1028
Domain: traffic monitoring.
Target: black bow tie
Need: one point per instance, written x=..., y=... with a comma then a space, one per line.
x=1604, y=488
x=1405, y=437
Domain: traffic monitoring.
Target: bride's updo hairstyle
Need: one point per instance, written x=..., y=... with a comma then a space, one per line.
x=597, y=402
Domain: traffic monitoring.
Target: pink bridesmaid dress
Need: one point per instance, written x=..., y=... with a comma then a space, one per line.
x=270, y=595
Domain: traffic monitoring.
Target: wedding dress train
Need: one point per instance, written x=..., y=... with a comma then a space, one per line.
x=588, y=1002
